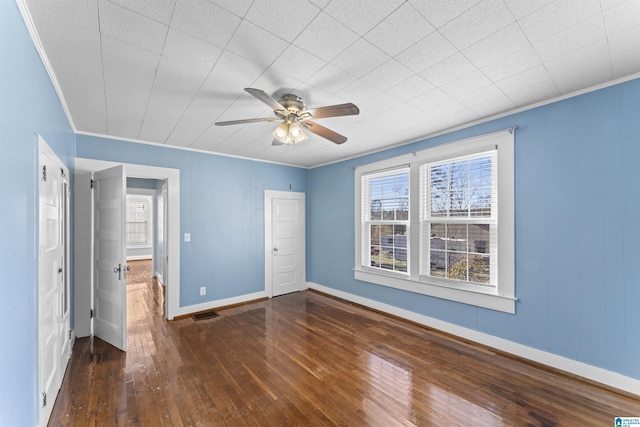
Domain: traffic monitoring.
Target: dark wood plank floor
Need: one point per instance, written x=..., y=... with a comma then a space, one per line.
x=305, y=359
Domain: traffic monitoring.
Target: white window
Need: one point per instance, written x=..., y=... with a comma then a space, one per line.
x=138, y=220
x=440, y=222
x=386, y=222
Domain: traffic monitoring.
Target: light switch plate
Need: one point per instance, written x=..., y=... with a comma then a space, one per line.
x=187, y=237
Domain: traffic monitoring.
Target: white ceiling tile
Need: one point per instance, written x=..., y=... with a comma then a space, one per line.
x=297, y=63
x=498, y=45
x=155, y=129
x=529, y=86
x=205, y=21
x=360, y=58
x=359, y=92
x=520, y=8
x=237, y=7
x=331, y=79
x=556, y=16
x=188, y=130
x=321, y=3
x=624, y=47
x=326, y=37
x=183, y=47
x=623, y=16
x=487, y=101
x=468, y=83
x=352, y=12
x=477, y=23
x=256, y=44
x=387, y=37
x=158, y=10
x=448, y=70
x=410, y=88
x=231, y=75
x=429, y=100
x=427, y=52
x=131, y=27
x=441, y=12
x=387, y=75
x=129, y=73
x=65, y=15
x=513, y=64
x=577, y=69
x=573, y=38
x=284, y=18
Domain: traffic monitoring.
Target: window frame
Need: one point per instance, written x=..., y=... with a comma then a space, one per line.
x=502, y=296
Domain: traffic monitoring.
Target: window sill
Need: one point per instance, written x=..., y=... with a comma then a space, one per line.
x=476, y=297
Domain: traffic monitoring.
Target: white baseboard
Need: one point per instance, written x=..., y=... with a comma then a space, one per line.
x=209, y=305
x=612, y=379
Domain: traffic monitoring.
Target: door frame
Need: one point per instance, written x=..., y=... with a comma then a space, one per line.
x=172, y=176
x=269, y=195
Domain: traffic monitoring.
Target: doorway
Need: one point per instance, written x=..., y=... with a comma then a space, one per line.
x=84, y=266
x=285, y=259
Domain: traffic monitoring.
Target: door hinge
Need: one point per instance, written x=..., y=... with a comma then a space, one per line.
x=93, y=183
x=44, y=398
x=62, y=173
x=44, y=172
x=91, y=313
x=69, y=333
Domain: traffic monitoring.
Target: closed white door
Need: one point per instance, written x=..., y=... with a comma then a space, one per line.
x=109, y=306
x=287, y=242
x=53, y=289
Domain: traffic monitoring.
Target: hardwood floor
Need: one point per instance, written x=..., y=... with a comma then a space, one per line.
x=306, y=359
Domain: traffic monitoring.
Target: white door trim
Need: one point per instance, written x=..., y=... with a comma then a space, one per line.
x=269, y=195
x=173, y=233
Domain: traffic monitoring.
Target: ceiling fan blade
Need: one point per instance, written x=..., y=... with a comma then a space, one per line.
x=262, y=96
x=347, y=109
x=239, y=122
x=325, y=132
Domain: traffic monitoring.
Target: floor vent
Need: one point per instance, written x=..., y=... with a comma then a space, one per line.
x=205, y=315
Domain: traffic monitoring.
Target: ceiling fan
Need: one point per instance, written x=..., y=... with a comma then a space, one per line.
x=296, y=117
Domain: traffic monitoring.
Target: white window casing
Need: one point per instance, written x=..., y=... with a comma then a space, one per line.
x=485, y=275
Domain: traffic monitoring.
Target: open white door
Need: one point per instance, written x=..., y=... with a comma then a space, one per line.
x=53, y=290
x=110, y=296
x=284, y=242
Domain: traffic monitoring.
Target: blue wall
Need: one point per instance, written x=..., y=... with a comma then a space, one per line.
x=577, y=231
x=143, y=183
x=28, y=105
x=221, y=205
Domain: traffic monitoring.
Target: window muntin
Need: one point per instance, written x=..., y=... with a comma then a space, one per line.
x=386, y=221
x=458, y=219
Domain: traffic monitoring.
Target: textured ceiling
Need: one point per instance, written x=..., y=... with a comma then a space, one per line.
x=164, y=71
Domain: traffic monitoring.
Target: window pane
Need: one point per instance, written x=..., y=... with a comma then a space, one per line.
x=479, y=236
x=389, y=247
x=457, y=266
x=389, y=197
x=462, y=188
x=479, y=269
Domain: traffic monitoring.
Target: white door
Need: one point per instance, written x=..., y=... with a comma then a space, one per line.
x=285, y=243
x=53, y=289
x=109, y=305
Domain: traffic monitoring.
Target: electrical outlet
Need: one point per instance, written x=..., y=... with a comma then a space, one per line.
x=203, y=290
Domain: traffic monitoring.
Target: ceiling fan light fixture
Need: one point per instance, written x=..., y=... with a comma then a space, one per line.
x=282, y=132
x=289, y=133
